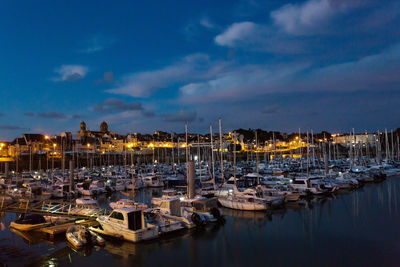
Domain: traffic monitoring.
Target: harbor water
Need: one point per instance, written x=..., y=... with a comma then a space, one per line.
x=353, y=228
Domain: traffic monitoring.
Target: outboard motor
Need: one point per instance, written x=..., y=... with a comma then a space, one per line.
x=217, y=214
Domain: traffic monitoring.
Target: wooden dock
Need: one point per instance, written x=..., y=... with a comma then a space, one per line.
x=49, y=208
x=52, y=231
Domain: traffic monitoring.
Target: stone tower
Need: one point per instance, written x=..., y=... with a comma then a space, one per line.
x=83, y=127
x=104, y=127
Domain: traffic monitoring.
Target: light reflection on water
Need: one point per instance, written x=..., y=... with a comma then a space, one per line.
x=358, y=228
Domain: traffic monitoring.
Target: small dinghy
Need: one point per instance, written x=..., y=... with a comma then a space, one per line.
x=29, y=222
x=79, y=236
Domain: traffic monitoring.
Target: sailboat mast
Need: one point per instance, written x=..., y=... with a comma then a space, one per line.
x=258, y=173
x=212, y=152
x=198, y=154
x=220, y=148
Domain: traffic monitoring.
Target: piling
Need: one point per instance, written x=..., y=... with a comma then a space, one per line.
x=326, y=163
x=191, y=175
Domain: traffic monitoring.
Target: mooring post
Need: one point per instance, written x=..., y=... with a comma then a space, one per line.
x=190, y=181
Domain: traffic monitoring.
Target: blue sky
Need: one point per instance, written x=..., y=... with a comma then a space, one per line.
x=142, y=66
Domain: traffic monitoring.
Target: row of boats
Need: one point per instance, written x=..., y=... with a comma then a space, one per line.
x=175, y=210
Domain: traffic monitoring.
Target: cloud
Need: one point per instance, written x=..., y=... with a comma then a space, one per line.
x=76, y=116
x=205, y=22
x=96, y=43
x=51, y=115
x=70, y=73
x=372, y=72
x=29, y=114
x=11, y=127
x=147, y=83
x=251, y=36
x=182, y=116
x=241, y=81
x=237, y=33
x=270, y=110
x=311, y=16
x=114, y=105
x=148, y=113
x=108, y=77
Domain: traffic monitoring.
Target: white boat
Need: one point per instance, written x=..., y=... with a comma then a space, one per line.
x=130, y=223
x=79, y=236
x=127, y=203
x=240, y=202
x=202, y=210
x=171, y=209
x=152, y=181
x=166, y=194
x=86, y=206
x=166, y=224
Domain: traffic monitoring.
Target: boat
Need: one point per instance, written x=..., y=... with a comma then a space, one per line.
x=86, y=206
x=29, y=222
x=166, y=224
x=171, y=209
x=202, y=210
x=244, y=202
x=130, y=223
x=79, y=236
x=153, y=181
x=126, y=203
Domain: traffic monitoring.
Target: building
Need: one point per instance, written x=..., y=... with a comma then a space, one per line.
x=364, y=139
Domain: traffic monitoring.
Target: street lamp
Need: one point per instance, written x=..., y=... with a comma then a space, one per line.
x=52, y=160
x=87, y=155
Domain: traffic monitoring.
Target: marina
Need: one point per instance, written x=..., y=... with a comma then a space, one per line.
x=200, y=133
x=346, y=226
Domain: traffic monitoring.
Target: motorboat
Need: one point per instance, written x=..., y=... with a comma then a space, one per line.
x=130, y=223
x=28, y=222
x=126, y=203
x=86, y=206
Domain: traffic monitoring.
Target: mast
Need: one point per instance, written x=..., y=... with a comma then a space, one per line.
x=386, y=145
x=220, y=148
x=198, y=154
x=391, y=131
x=212, y=152
x=308, y=152
x=234, y=157
x=258, y=173
x=313, y=148
x=172, y=151
x=187, y=156
x=301, y=152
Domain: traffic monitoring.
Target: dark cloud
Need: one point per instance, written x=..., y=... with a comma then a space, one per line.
x=11, y=127
x=51, y=115
x=148, y=113
x=76, y=116
x=182, y=116
x=108, y=77
x=29, y=114
x=114, y=105
x=270, y=110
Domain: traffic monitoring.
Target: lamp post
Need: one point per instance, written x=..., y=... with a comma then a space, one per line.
x=52, y=160
x=87, y=156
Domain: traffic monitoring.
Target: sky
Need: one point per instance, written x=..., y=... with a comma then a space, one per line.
x=150, y=65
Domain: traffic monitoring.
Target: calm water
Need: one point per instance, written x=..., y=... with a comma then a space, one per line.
x=359, y=228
